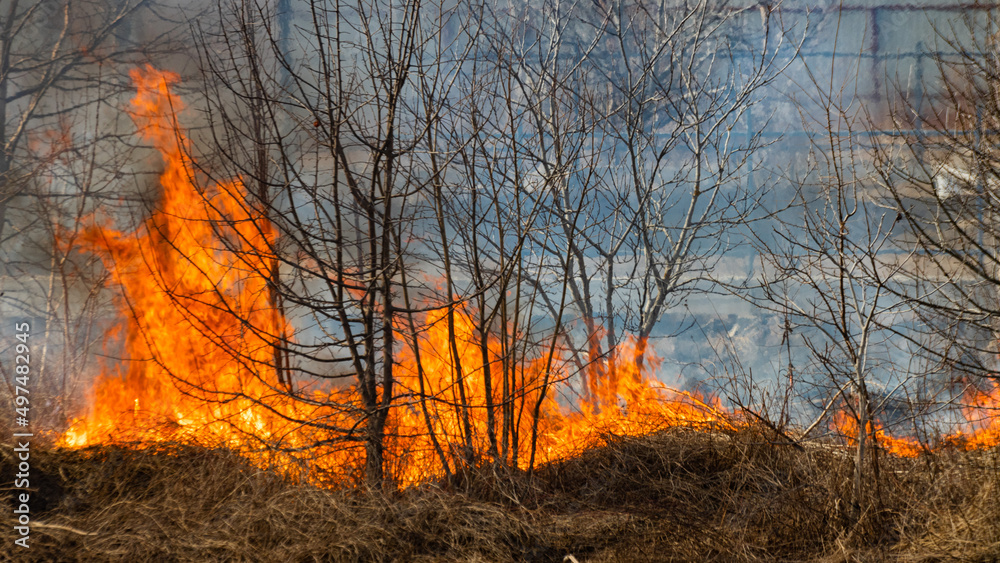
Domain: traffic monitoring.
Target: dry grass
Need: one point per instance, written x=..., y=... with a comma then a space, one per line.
x=680, y=495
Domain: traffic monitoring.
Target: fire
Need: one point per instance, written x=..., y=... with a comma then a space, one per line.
x=847, y=426
x=981, y=410
x=199, y=328
x=981, y=429
x=635, y=405
x=194, y=370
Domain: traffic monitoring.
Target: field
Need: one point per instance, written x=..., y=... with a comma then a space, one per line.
x=678, y=495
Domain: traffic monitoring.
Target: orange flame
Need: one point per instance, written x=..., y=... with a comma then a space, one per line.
x=847, y=426
x=981, y=429
x=198, y=331
x=634, y=405
x=983, y=425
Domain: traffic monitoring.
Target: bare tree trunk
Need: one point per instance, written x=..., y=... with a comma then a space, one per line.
x=861, y=453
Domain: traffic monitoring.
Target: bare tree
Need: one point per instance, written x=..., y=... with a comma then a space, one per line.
x=639, y=136
x=332, y=139
x=942, y=176
x=827, y=267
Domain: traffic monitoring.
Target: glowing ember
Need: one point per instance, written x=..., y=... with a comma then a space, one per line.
x=199, y=332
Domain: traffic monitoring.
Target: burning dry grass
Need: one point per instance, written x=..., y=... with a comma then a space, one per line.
x=679, y=495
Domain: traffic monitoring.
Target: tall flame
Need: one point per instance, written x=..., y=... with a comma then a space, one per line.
x=199, y=332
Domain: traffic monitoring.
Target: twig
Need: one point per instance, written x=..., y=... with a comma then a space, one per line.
x=61, y=527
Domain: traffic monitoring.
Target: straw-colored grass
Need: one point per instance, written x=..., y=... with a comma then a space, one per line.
x=680, y=495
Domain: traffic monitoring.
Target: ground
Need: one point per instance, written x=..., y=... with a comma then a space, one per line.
x=678, y=495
